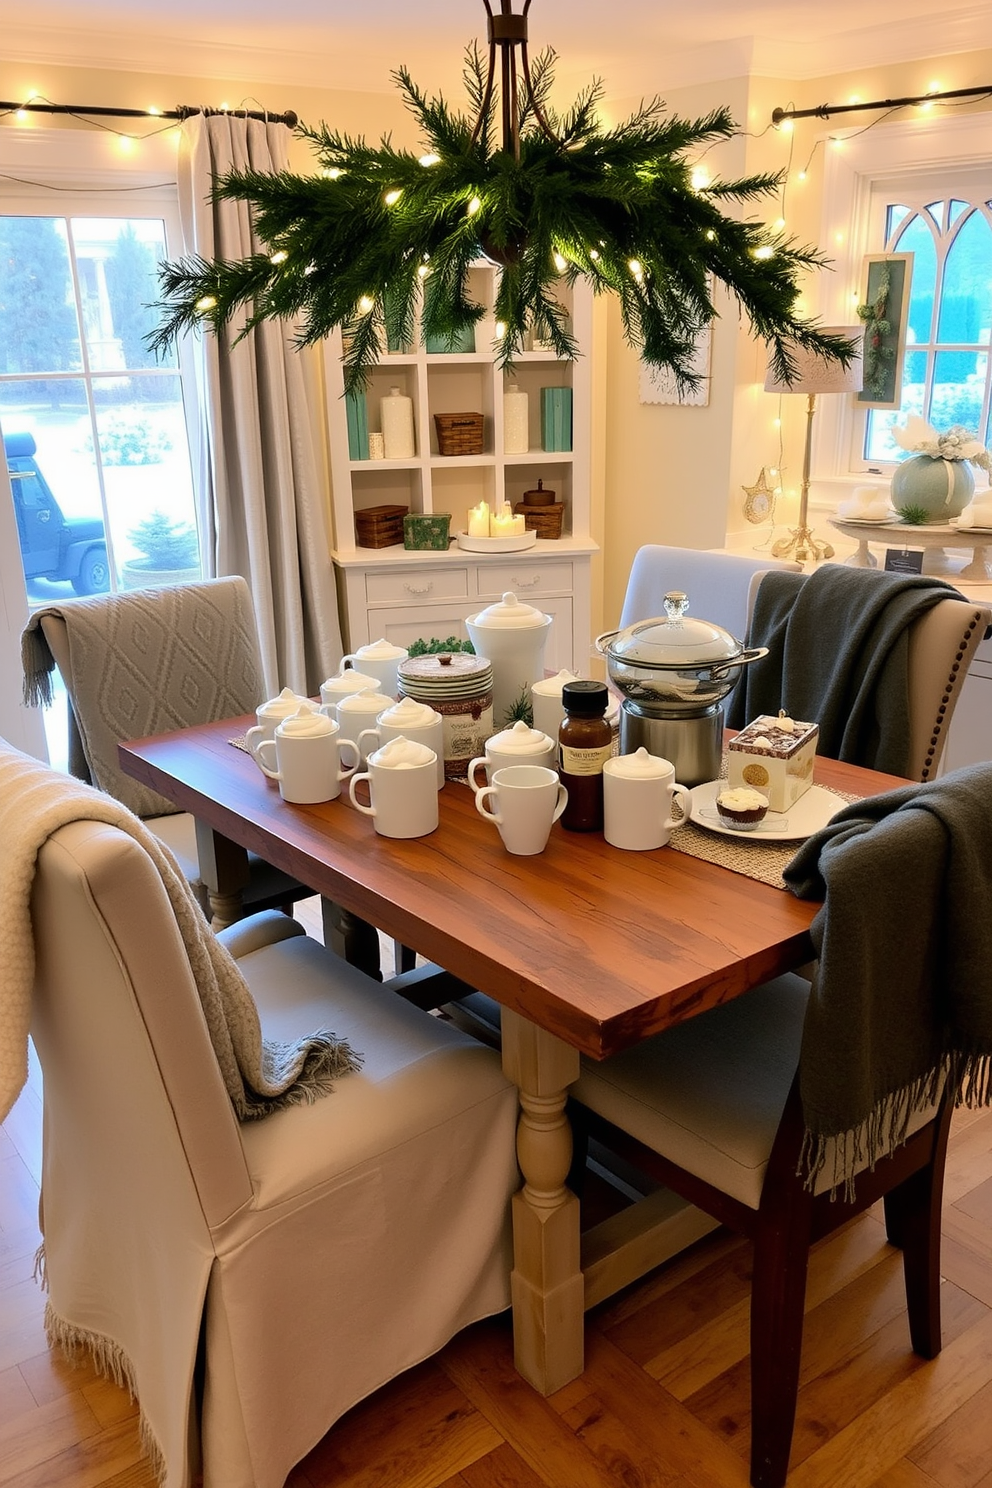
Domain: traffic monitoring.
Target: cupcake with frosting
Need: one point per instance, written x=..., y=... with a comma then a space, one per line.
x=741, y=808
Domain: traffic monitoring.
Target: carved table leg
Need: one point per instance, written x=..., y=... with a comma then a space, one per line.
x=224, y=870
x=546, y=1284
x=351, y=938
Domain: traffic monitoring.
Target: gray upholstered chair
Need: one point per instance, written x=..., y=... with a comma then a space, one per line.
x=250, y=1281
x=718, y=584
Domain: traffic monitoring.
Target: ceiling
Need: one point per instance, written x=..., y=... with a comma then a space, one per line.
x=638, y=47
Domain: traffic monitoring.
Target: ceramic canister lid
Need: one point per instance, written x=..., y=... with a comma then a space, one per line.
x=520, y=739
x=307, y=723
x=640, y=765
x=455, y=674
x=510, y=614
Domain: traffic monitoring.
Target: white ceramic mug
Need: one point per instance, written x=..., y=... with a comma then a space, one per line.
x=306, y=757
x=402, y=778
x=546, y=703
x=417, y=721
x=357, y=713
x=335, y=688
x=528, y=800
x=638, y=790
x=269, y=715
x=379, y=659
x=519, y=745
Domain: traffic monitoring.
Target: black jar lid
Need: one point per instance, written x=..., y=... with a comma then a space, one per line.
x=585, y=698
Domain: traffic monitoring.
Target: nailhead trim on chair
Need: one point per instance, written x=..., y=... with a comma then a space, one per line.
x=952, y=683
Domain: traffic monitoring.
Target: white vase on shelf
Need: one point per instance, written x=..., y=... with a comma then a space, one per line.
x=396, y=415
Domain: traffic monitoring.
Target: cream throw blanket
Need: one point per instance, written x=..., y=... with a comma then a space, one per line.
x=260, y=1076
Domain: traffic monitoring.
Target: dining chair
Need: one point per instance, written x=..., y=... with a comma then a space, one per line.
x=718, y=584
x=248, y=1280
x=148, y=661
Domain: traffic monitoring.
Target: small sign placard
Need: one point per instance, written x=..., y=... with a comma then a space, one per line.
x=902, y=560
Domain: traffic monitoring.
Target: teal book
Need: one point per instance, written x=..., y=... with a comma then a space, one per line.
x=556, y=418
x=358, y=425
x=445, y=345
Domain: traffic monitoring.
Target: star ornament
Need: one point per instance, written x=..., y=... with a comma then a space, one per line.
x=759, y=499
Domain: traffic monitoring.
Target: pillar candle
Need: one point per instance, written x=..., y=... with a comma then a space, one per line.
x=478, y=520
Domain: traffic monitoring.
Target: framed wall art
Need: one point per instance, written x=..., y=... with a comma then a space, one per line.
x=884, y=313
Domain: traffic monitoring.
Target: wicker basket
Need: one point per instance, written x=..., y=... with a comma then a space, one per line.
x=546, y=521
x=380, y=526
x=459, y=433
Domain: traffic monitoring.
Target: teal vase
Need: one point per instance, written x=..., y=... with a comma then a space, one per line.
x=942, y=488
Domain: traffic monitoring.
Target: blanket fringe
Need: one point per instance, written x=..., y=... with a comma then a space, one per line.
x=38, y=664
x=40, y=1272
x=109, y=1360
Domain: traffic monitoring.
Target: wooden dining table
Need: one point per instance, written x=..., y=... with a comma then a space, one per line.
x=587, y=948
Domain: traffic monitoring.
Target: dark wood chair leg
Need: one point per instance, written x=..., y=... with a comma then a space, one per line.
x=920, y=1203
x=356, y=941
x=778, y=1295
x=404, y=957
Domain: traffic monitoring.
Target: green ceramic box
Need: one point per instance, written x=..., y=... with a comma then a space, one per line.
x=426, y=532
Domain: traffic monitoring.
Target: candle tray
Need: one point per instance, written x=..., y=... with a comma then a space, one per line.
x=515, y=544
x=459, y=433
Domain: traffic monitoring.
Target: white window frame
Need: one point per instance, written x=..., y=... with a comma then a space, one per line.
x=922, y=146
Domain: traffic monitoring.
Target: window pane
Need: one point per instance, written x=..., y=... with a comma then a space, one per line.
x=936, y=212
x=146, y=471
x=117, y=261
x=894, y=215
x=56, y=491
x=966, y=293
x=958, y=389
x=38, y=330
x=917, y=239
x=879, y=444
x=957, y=207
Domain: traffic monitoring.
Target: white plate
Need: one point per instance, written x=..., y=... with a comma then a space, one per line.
x=497, y=544
x=871, y=521
x=964, y=531
x=812, y=811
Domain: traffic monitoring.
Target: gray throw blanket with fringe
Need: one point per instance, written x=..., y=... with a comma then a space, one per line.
x=838, y=655
x=902, y=994
x=260, y=1076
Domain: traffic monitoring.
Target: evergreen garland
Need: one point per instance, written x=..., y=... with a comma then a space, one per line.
x=354, y=245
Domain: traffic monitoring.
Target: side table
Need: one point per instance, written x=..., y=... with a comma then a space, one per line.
x=934, y=539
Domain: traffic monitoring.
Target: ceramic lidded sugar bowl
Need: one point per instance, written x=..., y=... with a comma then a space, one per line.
x=519, y=745
x=512, y=635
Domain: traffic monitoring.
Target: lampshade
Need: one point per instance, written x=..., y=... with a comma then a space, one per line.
x=815, y=374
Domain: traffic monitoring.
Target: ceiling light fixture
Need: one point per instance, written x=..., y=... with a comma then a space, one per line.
x=530, y=190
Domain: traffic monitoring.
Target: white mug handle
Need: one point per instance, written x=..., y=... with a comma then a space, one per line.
x=483, y=795
x=344, y=664
x=369, y=733
x=366, y=810
x=480, y=760
x=329, y=710
x=253, y=738
x=681, y=793
x=345, y=771
x=563, y=802
x=262, y=754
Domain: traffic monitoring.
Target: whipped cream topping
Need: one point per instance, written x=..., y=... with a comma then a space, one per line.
x=639, y=766
x=282, y=706
x=307, y=723
x=402, y=754
x=351, y=681
x=510, y=613
x=382, y=650
x=520, y=739
x=741, y=799
x=369, y=702
x=408, y=713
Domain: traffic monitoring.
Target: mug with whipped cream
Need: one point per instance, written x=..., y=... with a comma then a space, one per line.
x=379, y=659
x=412, y=720
x=269, y=715
x=402, y=785
x=306, y=757
x=519, y=745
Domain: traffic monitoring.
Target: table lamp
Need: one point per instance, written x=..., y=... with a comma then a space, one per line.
x=815, y=374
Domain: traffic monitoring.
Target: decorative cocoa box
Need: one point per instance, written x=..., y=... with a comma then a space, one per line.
x=380, y=526
x=428, y=532
x=774, y=756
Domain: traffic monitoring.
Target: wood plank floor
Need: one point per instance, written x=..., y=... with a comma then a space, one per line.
x=663, y=1401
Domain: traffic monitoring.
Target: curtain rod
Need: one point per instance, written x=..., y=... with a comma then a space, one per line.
x=183, y=111
x=824, y=110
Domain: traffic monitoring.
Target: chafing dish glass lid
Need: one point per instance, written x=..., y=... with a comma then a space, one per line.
x=680, y=640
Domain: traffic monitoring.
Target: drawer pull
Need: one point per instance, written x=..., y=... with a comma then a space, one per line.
x=418, y=589
x=527, y=583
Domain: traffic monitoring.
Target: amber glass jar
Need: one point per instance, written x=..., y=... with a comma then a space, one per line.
x=585, y=741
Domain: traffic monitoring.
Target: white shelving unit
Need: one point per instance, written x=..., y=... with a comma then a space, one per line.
x=402, y=595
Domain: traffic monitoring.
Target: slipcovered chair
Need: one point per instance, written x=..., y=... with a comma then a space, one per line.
x=250, y=1280
x=718, y=584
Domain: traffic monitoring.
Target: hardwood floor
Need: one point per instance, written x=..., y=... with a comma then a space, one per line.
x=663, y=1401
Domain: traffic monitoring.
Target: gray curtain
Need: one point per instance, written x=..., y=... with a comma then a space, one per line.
x=262, y=483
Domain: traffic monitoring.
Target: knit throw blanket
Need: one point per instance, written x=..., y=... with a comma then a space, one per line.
x=838, y=654
x=902, y=994
x=148, y=661
x=260, y=1076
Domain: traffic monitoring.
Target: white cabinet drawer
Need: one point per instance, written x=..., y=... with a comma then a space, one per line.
x=525, y=579
x=416, y=586
x=402, y=625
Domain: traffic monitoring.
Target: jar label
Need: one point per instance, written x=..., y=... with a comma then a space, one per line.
x=584, y=761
